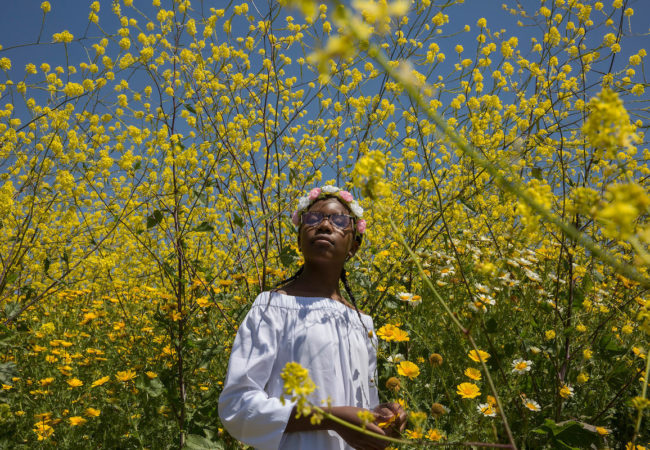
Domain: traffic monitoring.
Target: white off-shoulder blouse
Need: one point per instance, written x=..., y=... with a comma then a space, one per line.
x=324, y=336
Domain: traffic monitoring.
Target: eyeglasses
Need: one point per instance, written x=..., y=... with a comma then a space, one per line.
x=313, y=218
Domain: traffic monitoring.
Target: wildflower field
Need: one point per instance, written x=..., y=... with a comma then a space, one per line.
x=151, y=155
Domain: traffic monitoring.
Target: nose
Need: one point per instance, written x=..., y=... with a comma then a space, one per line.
x=322, y=223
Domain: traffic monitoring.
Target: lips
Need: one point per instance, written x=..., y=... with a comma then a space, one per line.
x=321, y=238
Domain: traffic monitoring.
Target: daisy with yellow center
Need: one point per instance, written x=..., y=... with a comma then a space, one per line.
x=478, y=356
x=472, y=373
x=521, y=366
x=486, y=409
x=408, y=369
x=532, y=405
x=468, y=390
x=405, y=296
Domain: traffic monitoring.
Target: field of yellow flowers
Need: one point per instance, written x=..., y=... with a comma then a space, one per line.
x=150, y=163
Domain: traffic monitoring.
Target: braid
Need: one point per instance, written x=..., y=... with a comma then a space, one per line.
x=344, y=279
x=290, y=279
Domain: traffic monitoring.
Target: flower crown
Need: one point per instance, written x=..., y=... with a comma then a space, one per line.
x=330, y=191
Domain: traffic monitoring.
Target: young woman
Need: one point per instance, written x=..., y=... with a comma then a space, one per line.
x=308, y=321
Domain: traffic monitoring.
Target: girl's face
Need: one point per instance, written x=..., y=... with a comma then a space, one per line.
x=324, y=242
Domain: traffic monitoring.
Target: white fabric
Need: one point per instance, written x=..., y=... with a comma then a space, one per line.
x=324, y=336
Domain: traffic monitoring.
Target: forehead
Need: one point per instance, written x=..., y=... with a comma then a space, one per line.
x=329, y=205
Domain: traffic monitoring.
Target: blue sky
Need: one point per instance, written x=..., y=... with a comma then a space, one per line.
x=20, y=23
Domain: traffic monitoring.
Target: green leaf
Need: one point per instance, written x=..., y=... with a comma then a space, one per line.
x=154, y=219
x=11, y=309
x=467, y=205
x=287, y=256
x=536, y=172
x=46, y=264
x=153, y=387
x=569, y=434
x=205, y=227
x=7, y=372
x=492, y=326
x=196, y=442
x=190, y=108
x=237, y=220
x=609, y=344
x=10, y=278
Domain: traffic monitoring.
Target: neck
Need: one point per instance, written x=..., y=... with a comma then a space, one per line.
x=319, y=281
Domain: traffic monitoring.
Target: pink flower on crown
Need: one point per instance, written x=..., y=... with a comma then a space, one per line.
x=314, y=193
x=295, y=218
x=345, y=195
x=361, y=226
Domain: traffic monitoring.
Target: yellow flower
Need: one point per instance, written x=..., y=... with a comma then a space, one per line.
x=297, y=385
x=393, y=384
x=602, y=431
x=472, y=373
x=75, y=382
x=566, y=391
x=46, y=381
x=435, y=359
x=478, y=356
x=46, y=7
x=434, y=435
x=413, y=434
x=549, y=335
x=76, y=420
x=587, y=353
x=437, y=410
x=43, y=430
x=92, y=412
x=391, y=333
x=151, y=374
x=408, y=369
x=583, y=378
x=125, y=376
x=468, y=390
x=100, y=381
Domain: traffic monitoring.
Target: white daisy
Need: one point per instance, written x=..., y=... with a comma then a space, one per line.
x=521, y=366
x=486, y=409
x=531, y=404
x=330, y=189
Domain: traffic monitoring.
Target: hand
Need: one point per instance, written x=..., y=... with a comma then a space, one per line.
x=387, y=412
x=354, y=438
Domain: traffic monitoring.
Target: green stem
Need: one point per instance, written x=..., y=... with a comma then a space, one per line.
x=359, y=429
x=644, y=392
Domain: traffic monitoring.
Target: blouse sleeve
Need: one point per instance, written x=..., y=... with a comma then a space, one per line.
x=373, y=392
x=245, y=409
